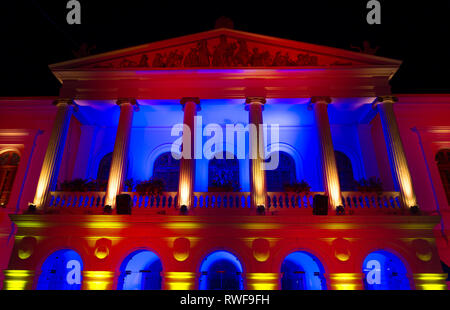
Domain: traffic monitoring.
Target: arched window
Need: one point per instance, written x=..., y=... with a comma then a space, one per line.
x=345, y=171
x=104, y=167
x=223, y=173
x=443, y=163
x=141, y=270
x=61, y=271
x=9, y=161
x=302, y=271
x=167, y=169
x=384, y=271
x=221, y=270
x=283, y=175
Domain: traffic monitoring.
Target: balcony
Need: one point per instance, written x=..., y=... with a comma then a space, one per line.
x=223, y=203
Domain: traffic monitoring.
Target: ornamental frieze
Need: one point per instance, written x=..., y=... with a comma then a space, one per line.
x=223, y=52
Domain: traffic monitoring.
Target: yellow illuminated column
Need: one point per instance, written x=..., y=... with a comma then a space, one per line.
x=98, y=280
x=120, y=153
x=258, y=194
x=18, y=280
x=175, y=280
x=53, y=155
x=187, y=163
x=396, y=152
x=345, y=281
x=327, y=158
x=430, y=281
x=263, y=281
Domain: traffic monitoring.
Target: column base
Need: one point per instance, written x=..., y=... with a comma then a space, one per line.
x=176, y=280
x=263, y=281
x=345, y=281
x=98, y=280
x=430, y=281
x=15, y=280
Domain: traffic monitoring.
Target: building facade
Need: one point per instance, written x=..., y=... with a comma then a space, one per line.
x=381, y=160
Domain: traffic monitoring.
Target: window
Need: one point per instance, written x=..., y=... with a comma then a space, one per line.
x=223, y=172
x=283, y=175
x=443, y=163
x=104, y=167
x=167, y=169
x=345, y=171
x=9, y=162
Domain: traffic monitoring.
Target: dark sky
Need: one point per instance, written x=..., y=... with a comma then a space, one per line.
x=35, y=33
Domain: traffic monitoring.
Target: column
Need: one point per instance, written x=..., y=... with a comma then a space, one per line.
x=55, y=149
x=258, y=192
x=178, y=280
x=119, y=162
x=18, y=280
x=187, y=163
x=98, y=280
x=330, y=175
x=263, y=281
x=399, y=165
x=345, y=281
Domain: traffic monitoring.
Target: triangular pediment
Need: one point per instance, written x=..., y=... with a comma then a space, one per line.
x=225, y=48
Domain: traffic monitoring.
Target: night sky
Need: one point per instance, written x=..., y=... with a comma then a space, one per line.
x=35, y=33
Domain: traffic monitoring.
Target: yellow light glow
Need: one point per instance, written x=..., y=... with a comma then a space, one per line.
x=98, y=280
x=179, y=280
x=18, y=279
x=430, y=281
x=183, y=225
x=262, y=281
x=184, y=194
x=346, y=281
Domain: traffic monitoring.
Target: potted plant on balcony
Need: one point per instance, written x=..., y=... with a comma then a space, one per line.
x=152, y=187
x=129, y=185
x=96, y=185
x=301, y=187
x=372, y=185
x=76, y=185
x=223, y=182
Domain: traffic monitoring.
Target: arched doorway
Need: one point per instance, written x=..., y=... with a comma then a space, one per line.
x=443, y=164
x=167, y=168
x=283, y=175
x=223, y=173
x=104, y=167
x=61, y=271
x=384, y=271
x=302, y=271
x=345, y=171
x=9, y=161
x=221, y=270
x=141, y=270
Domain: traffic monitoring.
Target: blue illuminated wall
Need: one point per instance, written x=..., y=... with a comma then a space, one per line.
x=221, y=270
x=392, y=272
x=141, y=270
x=302, y=271
x=61, y=271
x=151, y=137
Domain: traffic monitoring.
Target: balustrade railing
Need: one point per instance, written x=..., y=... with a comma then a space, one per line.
x=204, y=202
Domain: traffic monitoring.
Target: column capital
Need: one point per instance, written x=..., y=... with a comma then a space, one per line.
x=255, y=101
x=131, y=101
x=65, y=101
x=195, y=100
x=386, y=99
x=318, y=100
